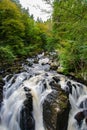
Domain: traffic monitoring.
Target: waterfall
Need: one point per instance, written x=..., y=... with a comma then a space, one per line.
x=78, y=112
x=25, y=93
x=78, y=101
x=35, y=82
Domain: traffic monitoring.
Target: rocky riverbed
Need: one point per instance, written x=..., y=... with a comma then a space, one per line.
x=56, y=106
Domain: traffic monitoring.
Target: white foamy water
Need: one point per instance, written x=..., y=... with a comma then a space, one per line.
x=78, y=101
x=37, y=79
x=78, y=114
x=14, y=96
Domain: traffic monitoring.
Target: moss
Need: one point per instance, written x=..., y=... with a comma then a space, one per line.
x=63, y=100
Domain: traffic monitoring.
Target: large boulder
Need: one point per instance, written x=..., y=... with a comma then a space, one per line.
x=56, y=109
x=1, y=89
x=27, y=121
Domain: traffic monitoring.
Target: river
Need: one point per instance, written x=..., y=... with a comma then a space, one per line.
x=24, y=94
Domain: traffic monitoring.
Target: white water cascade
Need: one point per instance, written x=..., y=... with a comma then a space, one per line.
x=36, y=82
x=33, y=84
x=78, y=112
x=78, y=101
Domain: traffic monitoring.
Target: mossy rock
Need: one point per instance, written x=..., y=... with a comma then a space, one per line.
x=56, y=109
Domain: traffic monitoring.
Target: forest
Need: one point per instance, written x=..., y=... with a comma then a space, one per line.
x=65, y=32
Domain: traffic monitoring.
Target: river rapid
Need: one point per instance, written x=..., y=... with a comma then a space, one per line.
x=24, y=94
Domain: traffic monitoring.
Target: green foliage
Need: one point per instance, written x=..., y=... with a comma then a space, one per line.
x=20, y=35
x=69, y=57
x=6, y=54
x=50, y=45
x=46, y=35
x=70, y=32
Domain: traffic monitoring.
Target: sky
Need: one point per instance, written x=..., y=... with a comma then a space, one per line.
x=37, y=7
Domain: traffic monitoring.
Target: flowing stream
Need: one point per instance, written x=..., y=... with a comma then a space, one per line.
x=78, y=101
x=30, y=88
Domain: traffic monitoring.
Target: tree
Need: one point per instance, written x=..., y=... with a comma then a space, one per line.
x=20, y=35
x=12, y=27
x=70, y=32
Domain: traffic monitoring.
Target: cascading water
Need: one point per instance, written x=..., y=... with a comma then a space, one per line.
x=78, y=112
x=78, y=101
x=34, y=82
x=24, y=95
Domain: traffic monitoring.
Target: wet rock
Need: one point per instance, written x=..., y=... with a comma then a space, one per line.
x=1, y=89
x=69, y=87
x=80, y=116
x=50, y=112
x=27, y=121
x=73, y=77
x=54, y=65
x=29, y=62
x=44, y=61
x=62, y=118
x=36, y=61
x=26, y=89
x=9, y=77
x=83, y=103
x=56, y=78
x=56, y=109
